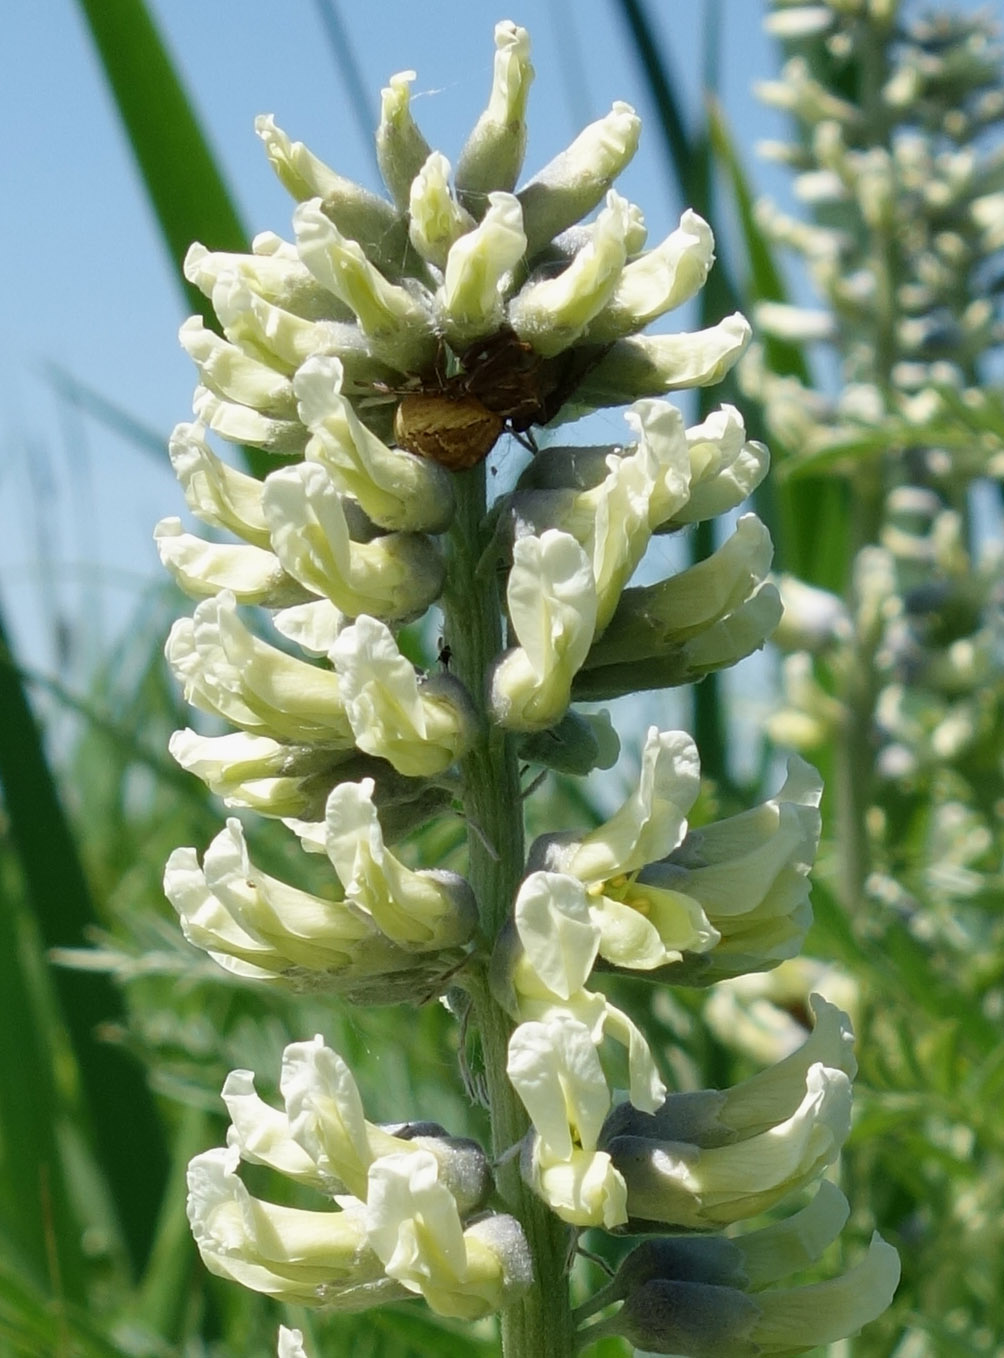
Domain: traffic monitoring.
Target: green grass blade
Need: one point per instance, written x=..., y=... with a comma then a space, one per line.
x=123, y=1121
x=42, y=1232
x=181, y=177
x=182, y=180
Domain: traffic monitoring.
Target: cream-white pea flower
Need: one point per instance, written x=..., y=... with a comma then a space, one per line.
x=218, y=494
x=652, y=365
x=546, y=975
x=314, y=1258
x=241, y=424
x=551, y=595
x=639, y=927
x=203, y=569
x=470, y=302
x=321, y=1136
x=413, y=1225
x=228, y=672
x=278, y=779
x=418, y=727
x=555, y=1069
x=260, y=928
x=435, y=218
x=749, y=874
x=421, y=910
x=571, y=185
x=394, y=318
x=395, y=576
x=552, y=313
x=709, y=1158
x=661, y=279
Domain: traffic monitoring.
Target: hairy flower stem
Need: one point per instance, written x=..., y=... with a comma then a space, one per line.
x=540, y=1323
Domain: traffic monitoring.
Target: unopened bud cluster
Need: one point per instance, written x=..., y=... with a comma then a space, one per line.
x=379, y=356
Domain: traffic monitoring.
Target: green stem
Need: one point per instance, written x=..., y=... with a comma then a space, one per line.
x=540, y=1323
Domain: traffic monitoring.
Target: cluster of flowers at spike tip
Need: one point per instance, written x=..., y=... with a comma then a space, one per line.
x=479, y=295
x=409, y=1199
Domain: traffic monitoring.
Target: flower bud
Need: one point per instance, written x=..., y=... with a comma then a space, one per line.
x=579, y=743
x=401, y=148
x=652, y=365
x=552, y=313
x=470, y=303
x=355, y=212
x=493, y=154
x=568, y=188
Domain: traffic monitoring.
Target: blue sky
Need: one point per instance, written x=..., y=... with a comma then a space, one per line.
x=88, y=284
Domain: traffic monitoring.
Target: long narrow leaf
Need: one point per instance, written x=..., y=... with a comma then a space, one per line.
x=182, y=180
x=126, y=1133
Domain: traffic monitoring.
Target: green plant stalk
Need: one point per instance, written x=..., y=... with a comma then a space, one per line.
x=540, y=1323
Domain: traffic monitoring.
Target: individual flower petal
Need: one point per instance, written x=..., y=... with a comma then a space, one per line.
x=801, y=1318
x=420, y=728
x=559, y=939
x=650, y=823
x=555, y=1069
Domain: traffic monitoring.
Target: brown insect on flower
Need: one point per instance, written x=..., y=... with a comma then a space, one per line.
x=501, y=386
